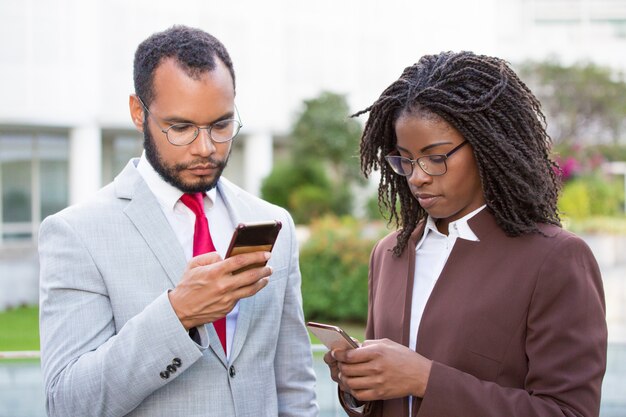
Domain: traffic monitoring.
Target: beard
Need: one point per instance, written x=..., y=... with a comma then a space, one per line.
x=171, y=173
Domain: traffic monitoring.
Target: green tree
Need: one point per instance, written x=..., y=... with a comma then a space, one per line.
x=585, y=103
x=323, y=161
x=324, y=131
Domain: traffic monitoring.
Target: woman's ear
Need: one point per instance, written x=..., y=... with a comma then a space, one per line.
x=136, y=111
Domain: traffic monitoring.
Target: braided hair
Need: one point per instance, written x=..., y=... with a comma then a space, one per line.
x=483, y=99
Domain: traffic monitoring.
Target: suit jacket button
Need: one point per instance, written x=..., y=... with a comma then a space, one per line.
x=171, y=369
x=165, y=374
x=177, y=362
x=231, y=371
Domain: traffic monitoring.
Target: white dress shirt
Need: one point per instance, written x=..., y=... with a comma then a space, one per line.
x=431, y=255
x=182, y=220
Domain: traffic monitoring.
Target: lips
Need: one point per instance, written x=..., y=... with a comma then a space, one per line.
x=202, y=169
x=426, y=200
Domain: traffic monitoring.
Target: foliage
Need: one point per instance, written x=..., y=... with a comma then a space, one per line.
x=342, y=200
x=588, y=190
x=19, y=329
x=597, y=224
x=373, y=211
x=286, y=178
x=584, y=102
x=324, y=140
x=610, y=152
x=592, y=195
x=574, y=201
x=323, y=131
x=576, y=160
x=309, y=202
x=334, y=263
x=305, y=190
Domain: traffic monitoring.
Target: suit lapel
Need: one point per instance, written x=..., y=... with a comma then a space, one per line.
x=144, y=212
x=240, y=212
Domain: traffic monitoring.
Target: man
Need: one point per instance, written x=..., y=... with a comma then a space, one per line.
x=131, y=323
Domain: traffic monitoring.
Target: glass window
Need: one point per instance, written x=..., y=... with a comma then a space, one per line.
x=16, y=191
x=117, y=149
x=53, y=174
x=33, y=181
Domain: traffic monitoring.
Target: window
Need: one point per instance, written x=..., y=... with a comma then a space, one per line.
x=33, y=182
x=117, y=149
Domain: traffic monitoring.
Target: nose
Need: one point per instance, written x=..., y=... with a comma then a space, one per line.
x=203, y=145
x=418, y=177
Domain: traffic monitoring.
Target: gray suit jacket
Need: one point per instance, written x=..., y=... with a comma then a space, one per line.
x=108, y=329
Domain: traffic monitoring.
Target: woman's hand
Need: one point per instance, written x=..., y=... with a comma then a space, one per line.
x=379, y=370
x=333, y=365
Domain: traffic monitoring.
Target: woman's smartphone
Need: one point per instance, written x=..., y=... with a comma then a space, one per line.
x=253, y=237
x=333, y=337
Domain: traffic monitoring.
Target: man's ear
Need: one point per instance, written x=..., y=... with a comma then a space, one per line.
x=136, y=111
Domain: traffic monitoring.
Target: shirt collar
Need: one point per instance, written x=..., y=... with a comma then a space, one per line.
x=166, y=194
x=459, y=228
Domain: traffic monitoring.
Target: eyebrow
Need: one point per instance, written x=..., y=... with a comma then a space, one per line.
x=425, y=148
x=175, y=119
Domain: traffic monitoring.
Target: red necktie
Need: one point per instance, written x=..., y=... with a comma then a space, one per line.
x=202, y=243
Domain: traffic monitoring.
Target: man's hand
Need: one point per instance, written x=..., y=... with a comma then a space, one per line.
x=208, y=290
x=381, y=369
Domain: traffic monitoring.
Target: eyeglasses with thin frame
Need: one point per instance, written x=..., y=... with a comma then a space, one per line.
x=181, y=134
x=434, y=164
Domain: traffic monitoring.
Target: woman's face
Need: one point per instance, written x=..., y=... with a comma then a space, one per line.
x=446, y=197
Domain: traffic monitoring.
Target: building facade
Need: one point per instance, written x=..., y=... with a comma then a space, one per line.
x=66, y=73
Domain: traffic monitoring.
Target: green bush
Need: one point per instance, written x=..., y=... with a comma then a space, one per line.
x=334, y=263
x=611, y=152
x=575, y=201
x=342, y=201
x=372, y=211
x=309, y=202
x=286, y=178
x=305, y=190
x=591, y=195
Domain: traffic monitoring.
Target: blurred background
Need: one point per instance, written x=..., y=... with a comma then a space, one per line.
x=302, y=68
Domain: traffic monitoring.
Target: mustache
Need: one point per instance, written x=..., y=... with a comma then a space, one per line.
x=210, y=161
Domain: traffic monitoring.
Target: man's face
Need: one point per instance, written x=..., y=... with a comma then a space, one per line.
x=179, y=98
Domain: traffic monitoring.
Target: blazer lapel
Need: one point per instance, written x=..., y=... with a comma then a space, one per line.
x=410, y=278
x=144, y=212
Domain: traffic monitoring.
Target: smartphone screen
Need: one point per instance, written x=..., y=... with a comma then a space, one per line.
x=333, y=337
x=253, y=237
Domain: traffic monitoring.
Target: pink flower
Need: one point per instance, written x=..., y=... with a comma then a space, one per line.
x=569, y=168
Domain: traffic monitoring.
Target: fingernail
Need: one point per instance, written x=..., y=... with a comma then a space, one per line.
x=268, y=255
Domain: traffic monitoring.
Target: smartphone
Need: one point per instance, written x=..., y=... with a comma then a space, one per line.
x=333, y=337
x=253, y=237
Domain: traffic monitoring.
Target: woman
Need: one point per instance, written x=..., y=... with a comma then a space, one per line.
x=480, y=304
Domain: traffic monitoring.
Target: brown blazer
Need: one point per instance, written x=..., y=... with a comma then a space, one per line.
x=514, y=326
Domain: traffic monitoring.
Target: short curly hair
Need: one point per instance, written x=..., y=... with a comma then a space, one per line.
x=482, y=98
x=194, y=49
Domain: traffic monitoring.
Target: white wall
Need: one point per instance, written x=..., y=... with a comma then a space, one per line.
x=68, y=62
